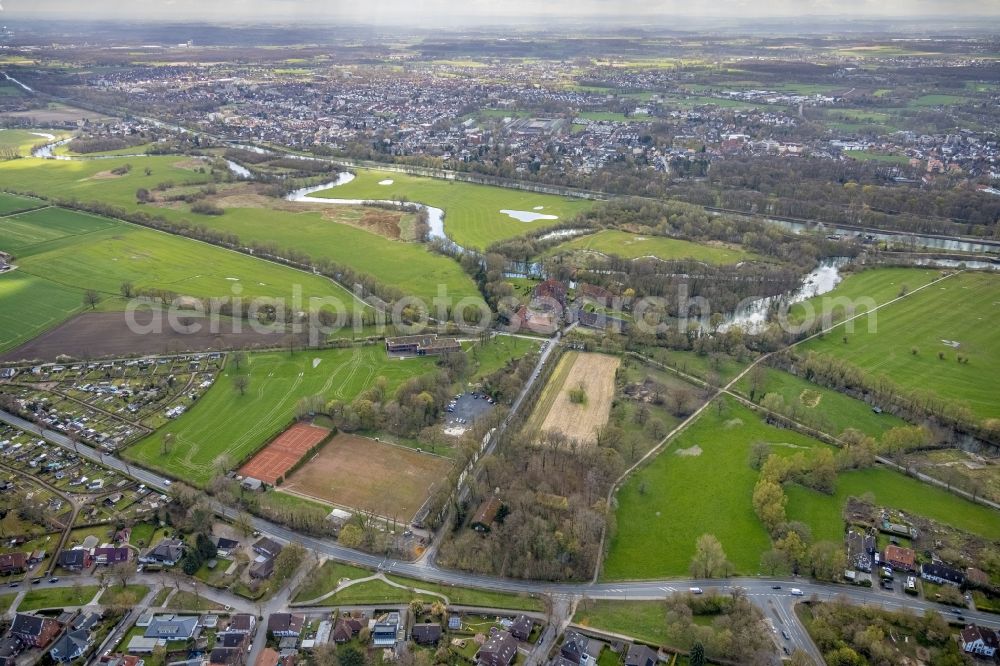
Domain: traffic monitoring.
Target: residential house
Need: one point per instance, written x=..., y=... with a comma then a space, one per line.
x=860, y=551
x=384, y=631
x=980, y=641
x=227, y=656
x=109, y=555
x=499, y=650
x=262, y=567
x=285, y=625
x=168, y=553
x=225, y=547
x=232, y=639
x=121, y=660
x=342, y=632
x=242, y=622
x=173, y=627
x=71, y=645
x=428, y=633
x=521, y=627
x=267, y=547
x=899, y=558
x=75, y=559
x=11, y=563
x=34, y=630
x=580, y=649
x=640, y=655
x=941, y=574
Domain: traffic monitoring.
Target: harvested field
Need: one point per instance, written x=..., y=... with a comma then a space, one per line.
x=594, y=375
x=57, y=114
x=280, y=455
x=361, y=473
x=102, y=334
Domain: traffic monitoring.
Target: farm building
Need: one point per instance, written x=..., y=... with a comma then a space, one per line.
x=486, y=514
x=551, y=290
x=422, y=345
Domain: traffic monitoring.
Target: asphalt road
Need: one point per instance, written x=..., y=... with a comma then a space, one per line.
x=777, y=603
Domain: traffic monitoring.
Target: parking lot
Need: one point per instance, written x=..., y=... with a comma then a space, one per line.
x=463, y=410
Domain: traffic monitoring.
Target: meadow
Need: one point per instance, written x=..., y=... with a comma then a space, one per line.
x=24, y=140
x=62, y=253
x=10, y=203
x=410, y=267
x=916, y=342
x=472, y=212
x=881, y=285
x=632, y=246
x=822, y=408
x=823, y=513
x=225, y=423
x=700, y=483
x=91, y=180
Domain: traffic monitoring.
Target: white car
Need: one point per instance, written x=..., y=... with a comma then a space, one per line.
x=796, y=592
x=696, y=590
x=167, y=482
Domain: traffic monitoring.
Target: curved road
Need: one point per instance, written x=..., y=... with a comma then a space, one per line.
x=771, y=595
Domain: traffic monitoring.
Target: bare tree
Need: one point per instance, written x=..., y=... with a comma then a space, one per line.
x=91, y=298
x=241, y=382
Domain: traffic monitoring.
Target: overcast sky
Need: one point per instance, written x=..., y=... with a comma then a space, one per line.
x=379, y=11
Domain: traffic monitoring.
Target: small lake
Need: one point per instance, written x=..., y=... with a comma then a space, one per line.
x=528, y=215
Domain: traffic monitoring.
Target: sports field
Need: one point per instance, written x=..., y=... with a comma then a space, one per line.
x=364, y=474
x=62, y=253
x=957, y=317
x=633, y=246
x=280, y=455
x=472, y=212
x=701, y=483
x=556, y=411
x=225, y=423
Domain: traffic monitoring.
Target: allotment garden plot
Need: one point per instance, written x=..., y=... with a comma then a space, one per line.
x=368, y=475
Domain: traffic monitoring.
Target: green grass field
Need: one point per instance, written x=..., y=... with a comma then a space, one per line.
x=407, y=266
x=57, y=597
x=10, y=203
x=964, y=309
x=832, y=413
x=497, y=352
x=225, y=423
x=632, y=246
x=472, y=212
x=877, y=157
x=664, y=507
x=643, y=620
x=881, y=285
x=823, y=512
x=91, y=180
x=25, y=140
x=62, y=253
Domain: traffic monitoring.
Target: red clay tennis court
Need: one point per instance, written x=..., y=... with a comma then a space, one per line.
x=281, y=454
